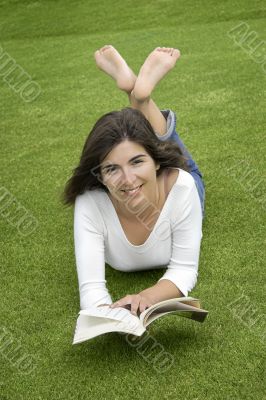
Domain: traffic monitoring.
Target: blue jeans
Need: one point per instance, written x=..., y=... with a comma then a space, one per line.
x=171, y=134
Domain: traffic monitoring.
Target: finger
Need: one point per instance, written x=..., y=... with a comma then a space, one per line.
x=135, y=304
x=143, y=306
x=122, y=302
x=117, y=304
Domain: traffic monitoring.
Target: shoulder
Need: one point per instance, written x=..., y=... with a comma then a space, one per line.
x=184, y=194
x=90, y=205
x=185, y=179
x=91, y=198
x=179, y=179
x=183, y=205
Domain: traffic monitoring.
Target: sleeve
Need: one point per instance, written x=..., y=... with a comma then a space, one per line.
x=186, y=239
x=89, y=252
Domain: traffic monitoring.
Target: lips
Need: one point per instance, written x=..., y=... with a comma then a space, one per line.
x=132, y=191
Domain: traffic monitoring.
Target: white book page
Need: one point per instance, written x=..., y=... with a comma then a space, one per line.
x=116, y=314
x=88, y=327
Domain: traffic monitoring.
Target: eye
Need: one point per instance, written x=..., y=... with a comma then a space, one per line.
x=110, y=170
x=137, y=161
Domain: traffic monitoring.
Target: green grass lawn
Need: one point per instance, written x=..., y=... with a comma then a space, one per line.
x=217, y=92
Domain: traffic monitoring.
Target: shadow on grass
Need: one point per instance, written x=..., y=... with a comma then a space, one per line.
x=113, y=348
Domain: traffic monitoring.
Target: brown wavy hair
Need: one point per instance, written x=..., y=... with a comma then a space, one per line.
x=109, y=131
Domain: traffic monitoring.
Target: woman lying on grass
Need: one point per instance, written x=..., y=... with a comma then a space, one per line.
x=138, y=194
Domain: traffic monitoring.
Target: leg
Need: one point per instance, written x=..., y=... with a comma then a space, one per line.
x=151, y=112
x=194, y=169
x=155, y=67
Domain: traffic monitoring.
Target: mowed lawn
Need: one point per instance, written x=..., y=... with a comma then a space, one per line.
x=217, y=90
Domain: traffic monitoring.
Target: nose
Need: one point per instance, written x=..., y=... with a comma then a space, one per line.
x=127, y=177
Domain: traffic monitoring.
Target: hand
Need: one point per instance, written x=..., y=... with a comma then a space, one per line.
x=100, y=305
x=135, y=302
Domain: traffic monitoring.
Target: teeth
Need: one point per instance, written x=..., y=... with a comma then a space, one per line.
x=132, y=190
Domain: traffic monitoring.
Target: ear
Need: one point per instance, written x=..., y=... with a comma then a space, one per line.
x=158, y=167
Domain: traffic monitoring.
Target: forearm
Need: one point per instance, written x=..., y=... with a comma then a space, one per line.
x=162, y=290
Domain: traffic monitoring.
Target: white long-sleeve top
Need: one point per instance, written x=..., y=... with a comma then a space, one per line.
x=174, y=242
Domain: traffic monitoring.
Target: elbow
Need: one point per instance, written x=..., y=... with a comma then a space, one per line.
x=185, y=280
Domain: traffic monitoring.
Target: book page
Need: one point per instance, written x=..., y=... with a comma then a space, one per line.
x=116, y=314
x=182, y=306
x=187, y=300
x=88, y=327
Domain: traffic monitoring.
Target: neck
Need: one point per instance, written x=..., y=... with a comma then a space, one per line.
x=148, y=207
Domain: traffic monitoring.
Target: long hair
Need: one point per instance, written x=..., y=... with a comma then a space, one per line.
x=109, y=131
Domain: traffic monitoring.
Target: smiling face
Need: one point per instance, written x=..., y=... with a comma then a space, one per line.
x=129, y=166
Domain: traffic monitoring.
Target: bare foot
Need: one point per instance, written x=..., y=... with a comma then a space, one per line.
x=155, y=67
x=110, y=61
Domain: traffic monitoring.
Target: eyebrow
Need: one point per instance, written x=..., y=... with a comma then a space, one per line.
x=132, y=159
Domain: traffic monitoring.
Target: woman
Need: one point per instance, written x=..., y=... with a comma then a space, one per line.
x=138, y=194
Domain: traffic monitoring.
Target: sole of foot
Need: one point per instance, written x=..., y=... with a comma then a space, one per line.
x=112, y=63
x=156, y=66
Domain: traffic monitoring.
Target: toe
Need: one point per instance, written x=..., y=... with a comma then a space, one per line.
x=176, y=53
x=105, y=47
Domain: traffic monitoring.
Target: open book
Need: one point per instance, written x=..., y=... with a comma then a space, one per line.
x=96, y=321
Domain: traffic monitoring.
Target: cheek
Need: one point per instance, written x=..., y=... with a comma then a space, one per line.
x=111, y=181
x=150, y=172
x=147, y=169
x=106, y=181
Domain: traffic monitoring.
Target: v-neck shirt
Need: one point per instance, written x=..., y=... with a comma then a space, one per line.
x=174, y=241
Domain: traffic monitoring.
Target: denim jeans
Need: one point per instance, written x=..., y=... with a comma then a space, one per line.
x=171, y=134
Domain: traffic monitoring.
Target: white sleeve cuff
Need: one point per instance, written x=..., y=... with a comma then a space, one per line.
x=184, y=279
x=94, y=294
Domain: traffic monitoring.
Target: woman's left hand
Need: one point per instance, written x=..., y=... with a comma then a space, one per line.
x=136, y=301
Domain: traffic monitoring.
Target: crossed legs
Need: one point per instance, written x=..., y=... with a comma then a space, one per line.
x=139, y=88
